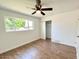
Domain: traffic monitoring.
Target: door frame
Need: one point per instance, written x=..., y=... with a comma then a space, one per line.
x=43, y=30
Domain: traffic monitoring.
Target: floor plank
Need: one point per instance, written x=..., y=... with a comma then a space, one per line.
x=41, y=49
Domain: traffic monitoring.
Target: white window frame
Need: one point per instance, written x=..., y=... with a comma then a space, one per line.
x=14, y=30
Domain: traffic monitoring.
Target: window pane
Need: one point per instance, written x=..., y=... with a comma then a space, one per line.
x=17, y=24
x=20, y=23
x=30, y=24
x=10, y=24
x=26, y=24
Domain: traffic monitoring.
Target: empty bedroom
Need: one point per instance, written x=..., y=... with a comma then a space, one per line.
x=39, y=29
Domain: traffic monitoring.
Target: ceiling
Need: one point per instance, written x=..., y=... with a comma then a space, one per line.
x=24, y=6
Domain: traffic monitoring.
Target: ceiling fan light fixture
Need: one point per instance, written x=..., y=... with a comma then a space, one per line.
x=38, y=7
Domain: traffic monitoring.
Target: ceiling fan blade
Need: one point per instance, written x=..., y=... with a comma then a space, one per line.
x=42, y=13
x=47, y=9
x=38, y=2
x=34, y=12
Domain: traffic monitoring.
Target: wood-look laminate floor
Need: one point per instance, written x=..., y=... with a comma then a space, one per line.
x=41, y=49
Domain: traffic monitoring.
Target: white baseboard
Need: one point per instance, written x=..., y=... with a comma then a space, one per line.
x=6, y=50
x=73, y=45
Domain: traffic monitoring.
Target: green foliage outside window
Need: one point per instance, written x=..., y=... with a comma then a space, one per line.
x=10, y=23
x=19, y=23
x=15, y=23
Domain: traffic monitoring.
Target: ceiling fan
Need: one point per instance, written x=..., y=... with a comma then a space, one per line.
x=38, y=7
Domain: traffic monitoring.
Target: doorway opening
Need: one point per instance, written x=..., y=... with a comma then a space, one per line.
x=48, y=30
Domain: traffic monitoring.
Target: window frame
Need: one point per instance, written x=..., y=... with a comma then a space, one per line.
x=15, y=29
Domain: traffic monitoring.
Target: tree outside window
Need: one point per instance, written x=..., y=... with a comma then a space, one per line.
x=18, y=24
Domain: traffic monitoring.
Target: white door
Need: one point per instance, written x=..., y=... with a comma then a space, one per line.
x=77, y=32
x=43, y=30
x=77, y=40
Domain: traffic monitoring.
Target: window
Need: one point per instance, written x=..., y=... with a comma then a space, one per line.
x=18, y=24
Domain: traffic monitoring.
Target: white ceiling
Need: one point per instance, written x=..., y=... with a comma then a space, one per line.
x=24, y=6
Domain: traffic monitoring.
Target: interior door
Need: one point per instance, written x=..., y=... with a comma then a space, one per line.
x=48, y=29
x=77, y=33
x=77, y=48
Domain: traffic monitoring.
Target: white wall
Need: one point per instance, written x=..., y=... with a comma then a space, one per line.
x=64, y=27
x=10, y=40
x=43, y=30
x=48, y=29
